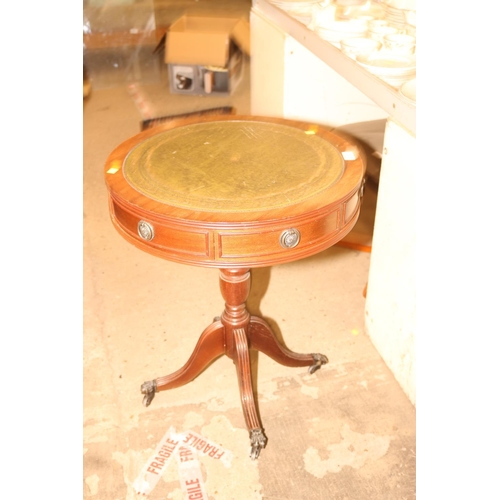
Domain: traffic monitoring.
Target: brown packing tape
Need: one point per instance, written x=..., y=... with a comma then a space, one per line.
x=241, y=35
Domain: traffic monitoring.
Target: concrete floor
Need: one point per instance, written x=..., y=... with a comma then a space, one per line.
x=346, y=432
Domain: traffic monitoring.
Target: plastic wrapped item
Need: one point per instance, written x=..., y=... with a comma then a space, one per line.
x=119, y=41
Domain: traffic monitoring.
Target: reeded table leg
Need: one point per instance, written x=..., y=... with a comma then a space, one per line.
x=233, y=333
x=235, y=287
x=209, y=347
x=263, y=339
x=243, y=368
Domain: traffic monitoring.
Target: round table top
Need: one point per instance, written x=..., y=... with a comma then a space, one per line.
x=235, y=191
x=233, y=166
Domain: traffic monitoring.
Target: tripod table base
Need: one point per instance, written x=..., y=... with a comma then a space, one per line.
x=233, y=334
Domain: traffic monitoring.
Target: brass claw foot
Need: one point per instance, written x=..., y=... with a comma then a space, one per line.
x=148, y=389
x=319, y=360
x=258, y=441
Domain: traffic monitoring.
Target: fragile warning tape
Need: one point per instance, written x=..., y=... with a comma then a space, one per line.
x=158, y=462
x=190, y=476
x=203, y=447
x=186, y=447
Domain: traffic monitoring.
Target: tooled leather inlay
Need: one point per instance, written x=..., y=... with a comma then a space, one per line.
x=233, y=166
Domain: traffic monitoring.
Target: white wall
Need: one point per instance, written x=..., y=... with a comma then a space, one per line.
x=390, y=300
x=315, y=92
x=267, y=68
x=288, y=80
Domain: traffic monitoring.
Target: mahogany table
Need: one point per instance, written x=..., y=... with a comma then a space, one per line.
x=235, y=192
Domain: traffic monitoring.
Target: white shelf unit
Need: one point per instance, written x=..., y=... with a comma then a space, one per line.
x=296, y=74
x=388, y=98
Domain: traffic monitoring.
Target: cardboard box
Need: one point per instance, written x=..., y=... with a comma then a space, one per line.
x=205, y=54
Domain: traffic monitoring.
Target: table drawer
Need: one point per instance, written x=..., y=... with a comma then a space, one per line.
x=263, y=245
x=169, y=238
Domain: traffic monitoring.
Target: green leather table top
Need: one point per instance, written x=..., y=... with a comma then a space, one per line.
x=233, y=166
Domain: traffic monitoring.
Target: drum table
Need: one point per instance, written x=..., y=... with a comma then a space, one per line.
x=235, y=192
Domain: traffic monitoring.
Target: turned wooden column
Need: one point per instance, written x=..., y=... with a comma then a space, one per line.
x=235, y=288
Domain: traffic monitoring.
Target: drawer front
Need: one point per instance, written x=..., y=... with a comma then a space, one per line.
x=262, y=245
x=169, y=239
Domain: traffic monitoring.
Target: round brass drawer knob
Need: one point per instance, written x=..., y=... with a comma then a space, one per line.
x=145, y=230
x=289, y=238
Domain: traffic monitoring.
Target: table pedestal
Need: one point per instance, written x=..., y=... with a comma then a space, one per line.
x=233, y=334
